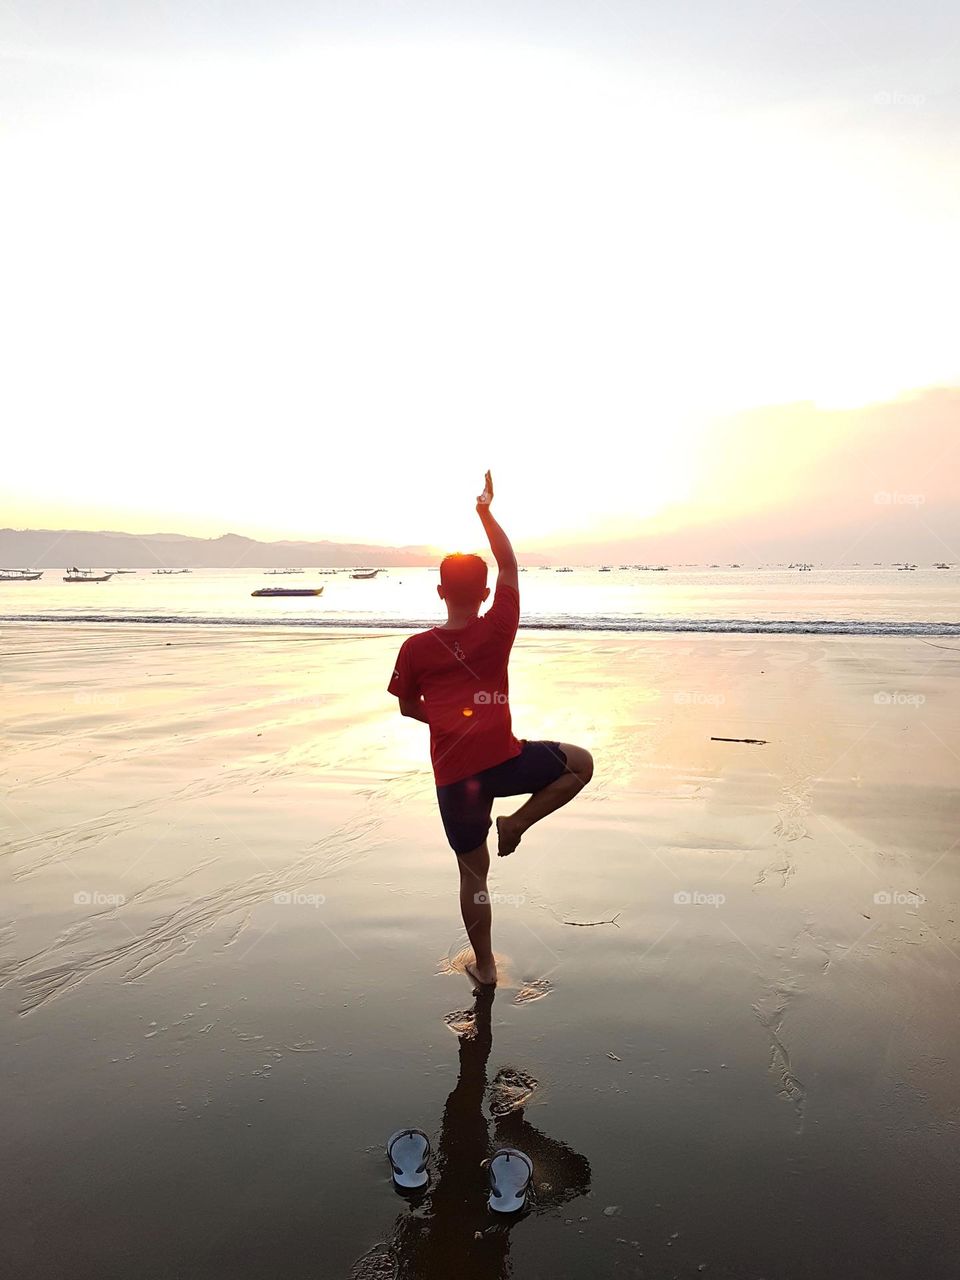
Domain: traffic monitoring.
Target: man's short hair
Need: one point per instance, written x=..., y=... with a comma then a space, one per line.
x=463, y=578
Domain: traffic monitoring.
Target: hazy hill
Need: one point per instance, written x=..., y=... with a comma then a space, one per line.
x=57, y=548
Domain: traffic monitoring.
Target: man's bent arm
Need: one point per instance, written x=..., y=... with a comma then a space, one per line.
x=414, y=708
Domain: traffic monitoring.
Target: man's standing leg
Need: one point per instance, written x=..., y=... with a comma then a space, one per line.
x=475, y=909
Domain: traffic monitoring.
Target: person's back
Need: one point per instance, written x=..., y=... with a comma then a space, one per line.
x=454, y=678
x=461, y=674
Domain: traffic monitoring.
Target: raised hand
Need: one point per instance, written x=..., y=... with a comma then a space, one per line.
x=486, y=497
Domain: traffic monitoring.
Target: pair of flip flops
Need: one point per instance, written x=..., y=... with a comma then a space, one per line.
x=510, y=1171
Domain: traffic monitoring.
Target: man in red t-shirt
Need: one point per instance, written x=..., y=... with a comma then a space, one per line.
x=454, y=678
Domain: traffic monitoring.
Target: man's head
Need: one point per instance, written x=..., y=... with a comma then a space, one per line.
x=463, y=581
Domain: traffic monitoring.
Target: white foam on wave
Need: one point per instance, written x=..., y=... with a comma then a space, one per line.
x=736, y=626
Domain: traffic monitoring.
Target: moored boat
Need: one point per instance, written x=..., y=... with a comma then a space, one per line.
x=85, y=575
x=20, y=575
x=288, y=591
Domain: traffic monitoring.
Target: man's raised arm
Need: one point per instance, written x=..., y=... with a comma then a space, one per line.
x=499, y=542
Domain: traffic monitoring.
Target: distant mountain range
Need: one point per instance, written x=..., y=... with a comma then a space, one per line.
x=888, y=531
x=59, y=548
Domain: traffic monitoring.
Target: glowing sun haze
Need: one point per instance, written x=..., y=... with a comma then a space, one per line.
x=315, y=291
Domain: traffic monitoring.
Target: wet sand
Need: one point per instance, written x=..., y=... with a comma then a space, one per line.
x=230, y=953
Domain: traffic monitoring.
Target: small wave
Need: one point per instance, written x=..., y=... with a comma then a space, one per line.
x=734, y=626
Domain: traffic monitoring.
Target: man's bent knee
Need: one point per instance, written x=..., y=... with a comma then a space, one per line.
x=579, y=763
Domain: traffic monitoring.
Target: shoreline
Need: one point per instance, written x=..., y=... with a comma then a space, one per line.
x=586, y=627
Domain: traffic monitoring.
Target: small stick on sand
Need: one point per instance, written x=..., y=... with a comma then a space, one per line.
x=755, y=742
x=590, y=924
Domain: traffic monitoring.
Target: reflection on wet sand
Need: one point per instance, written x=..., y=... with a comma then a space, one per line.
x=448, y=1230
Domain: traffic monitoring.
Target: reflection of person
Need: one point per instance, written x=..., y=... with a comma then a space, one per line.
x=438, y=1239
x=454, y=678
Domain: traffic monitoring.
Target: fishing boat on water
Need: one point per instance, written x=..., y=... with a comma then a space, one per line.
x=275, y=572
x=371, y=574
x=166, y=573
x=20, y=575
x=85, y=575
x=288, y=591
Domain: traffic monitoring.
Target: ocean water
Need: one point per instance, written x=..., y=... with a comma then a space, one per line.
x=853, y=601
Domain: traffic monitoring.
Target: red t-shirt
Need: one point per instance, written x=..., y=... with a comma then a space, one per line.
x=462, y=675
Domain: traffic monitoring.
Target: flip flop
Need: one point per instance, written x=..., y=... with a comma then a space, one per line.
x=408, y=1151
x=510, y=1174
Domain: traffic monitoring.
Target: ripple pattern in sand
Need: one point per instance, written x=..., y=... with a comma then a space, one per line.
x=770, y=1011
x=60, y=967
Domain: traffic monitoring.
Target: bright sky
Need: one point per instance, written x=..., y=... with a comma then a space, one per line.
x=302, y=273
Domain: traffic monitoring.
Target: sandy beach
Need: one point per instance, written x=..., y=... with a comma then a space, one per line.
x=231, y=962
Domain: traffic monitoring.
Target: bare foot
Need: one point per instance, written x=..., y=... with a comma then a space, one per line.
x=508, y=836
x=484, y=975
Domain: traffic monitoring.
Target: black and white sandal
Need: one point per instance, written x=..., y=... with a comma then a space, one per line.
x=408, y=1151
x=511, y=1172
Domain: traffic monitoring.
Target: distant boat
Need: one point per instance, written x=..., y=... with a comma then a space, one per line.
x=604, y=568
x=274, y=572
x=371, y=574
x=85, y=575
x=165, y=573
x=116, y=571
x=941, y=565
x=908, y=567
x=23, y=575
x=564, y=570
x=288, y=591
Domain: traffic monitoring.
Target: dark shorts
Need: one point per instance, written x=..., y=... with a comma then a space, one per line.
x=465, y=805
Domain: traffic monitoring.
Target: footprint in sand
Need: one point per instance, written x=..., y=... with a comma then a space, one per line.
x=463, y=1023
x=531, y=991
x=510, y=1090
